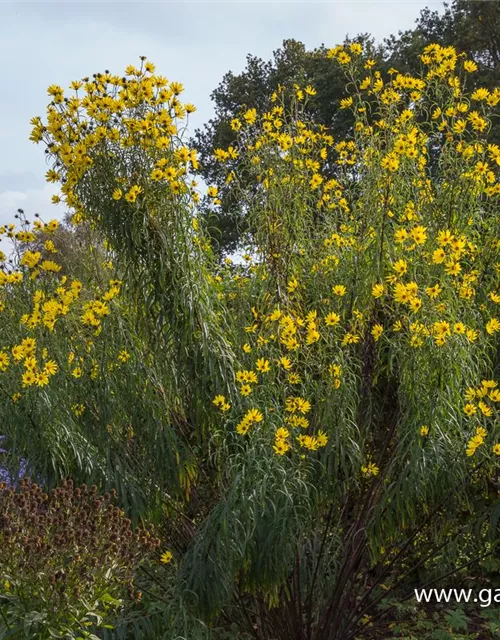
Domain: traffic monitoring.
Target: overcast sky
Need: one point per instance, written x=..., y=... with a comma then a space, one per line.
x=43, y=43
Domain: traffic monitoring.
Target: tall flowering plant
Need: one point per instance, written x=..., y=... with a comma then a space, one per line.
x=332, y=394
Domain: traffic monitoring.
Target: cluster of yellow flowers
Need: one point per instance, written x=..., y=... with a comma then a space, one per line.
x=252, y=416
x=48, y=315
x=486, y=392
x=403, y=94
x=275, y=332
x=481, y=404
x=280, y=334
x=427, y=284
x=34, y=373
x=108, y=115
x=31, y=259
x=303, y=149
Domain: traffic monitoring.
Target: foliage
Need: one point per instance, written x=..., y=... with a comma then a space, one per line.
x=99, y=419
x=315, y=426
x=67, y=559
